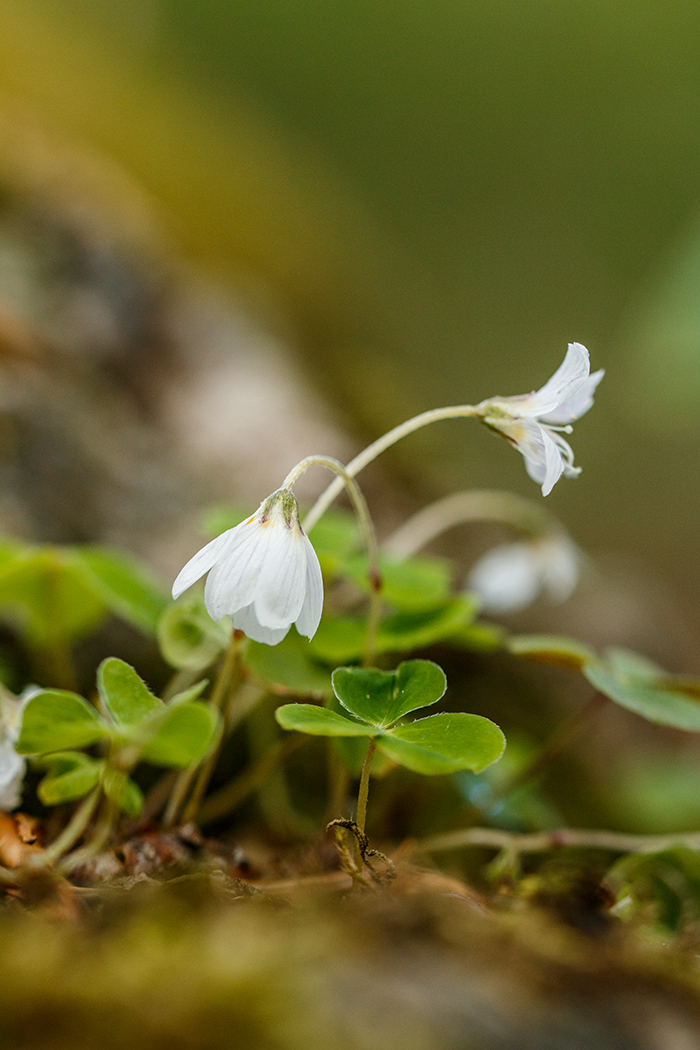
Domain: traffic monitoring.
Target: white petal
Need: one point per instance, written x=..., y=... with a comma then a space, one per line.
x=506, y=579
x=560, y=567
x=310, y=616
x=281, y=587
x=232, y=581
x=201, y=562
x=571, y=374
x=245, y=620
x=543, y=460
x=12, y=769
x=577, y=404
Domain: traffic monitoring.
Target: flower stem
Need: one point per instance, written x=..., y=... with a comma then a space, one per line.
x=73, y=830
x=380, y=445
x=221, y=690
x=559, y=740
x=344, y=479
x=545, y=841
x=102, y=832
x=225, y=688
x=228, y=798
x=362, y=794
x=462, y=507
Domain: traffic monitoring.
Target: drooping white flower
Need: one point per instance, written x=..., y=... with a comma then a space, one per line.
x=534, y=423
x=512, y=575
x=263, y=573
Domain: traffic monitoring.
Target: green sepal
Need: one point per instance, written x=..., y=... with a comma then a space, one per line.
x=381, y=698
x=444, y=743
x=183, y=735
x=71, y=775
x=552, y=649
x=319, y=721
x=187, y=635
x=123, y=793
x=124, y=694
x=57, y=720
x=289, y=666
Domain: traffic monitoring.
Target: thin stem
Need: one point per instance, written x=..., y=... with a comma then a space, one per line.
x=225, y=687
x=344, y=479
x=223, y=802
x=558, y=742
x=98, y=841
x=73, y=830
x=363, y=791
x=545, y=841
x=460, y=508
x=362, y=794
x=380, y=445
x=219, y=693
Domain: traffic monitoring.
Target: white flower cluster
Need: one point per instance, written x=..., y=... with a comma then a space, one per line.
x=265, y=575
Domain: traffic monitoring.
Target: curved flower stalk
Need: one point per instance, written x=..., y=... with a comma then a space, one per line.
x=534, y=422
x=512, y=575
x=263, y=573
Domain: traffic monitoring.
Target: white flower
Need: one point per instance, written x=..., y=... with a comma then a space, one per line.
x=512, y=575
x=12, y=766
x=12, y=770
x=534, y=422
x=263, y=573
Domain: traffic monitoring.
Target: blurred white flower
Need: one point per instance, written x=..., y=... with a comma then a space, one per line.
x=263, y=573
x=534, y=422
x=512, y=575
x=12, y=766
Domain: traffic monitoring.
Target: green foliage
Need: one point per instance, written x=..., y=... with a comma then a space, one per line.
x=341, y=639
x=122, y=792
x=335, y=537
x=319, y=721
x=134, y=726
x=125, y=696
x=445, y=743
x=659, y=888
x=409, y=585
x=381, y=698
x=187, y=635
x=58, y=595
x=638, y=685
x=71, y=774
x=181, y=735
x=56, y=720
x=552, y=649
x=288, y=666
x=378, y=699
x=124, y=586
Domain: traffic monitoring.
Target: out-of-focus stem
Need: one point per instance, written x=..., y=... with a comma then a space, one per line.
x=460, y=508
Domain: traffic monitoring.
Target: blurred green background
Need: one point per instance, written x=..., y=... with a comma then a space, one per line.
x=430, y=198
